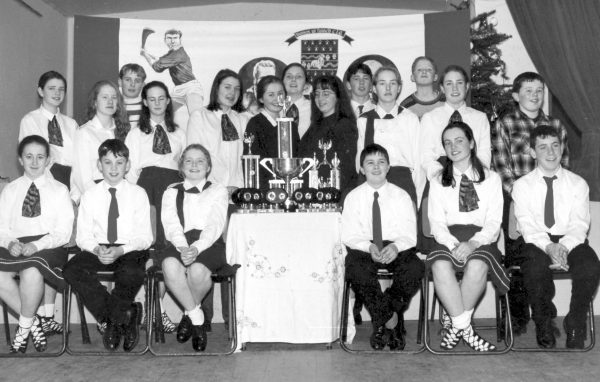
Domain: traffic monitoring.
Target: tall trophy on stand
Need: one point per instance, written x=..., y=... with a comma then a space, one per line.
x=286, y=166
x=250, y=164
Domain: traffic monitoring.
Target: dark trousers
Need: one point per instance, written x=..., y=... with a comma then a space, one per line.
x=584, y=267
x=361, y=271
x=129, y=272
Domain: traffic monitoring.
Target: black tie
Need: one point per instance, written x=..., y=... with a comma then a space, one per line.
x=360, y=109
x=549, y=203
x=377, y=233
x=54, y=134
x=388, y=116
x=113, y=214
x=161, y=143
x=228, y=129
x=193, y=190
x=31, y=204
x=455, y=117
x=293, y=112
x=467, y=196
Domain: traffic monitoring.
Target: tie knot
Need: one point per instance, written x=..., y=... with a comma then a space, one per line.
x=112, y=191
x=549, y=179
x=193, y=190
x=388, y=116
x=158, y=126
x=456, y=117
x=376, y=195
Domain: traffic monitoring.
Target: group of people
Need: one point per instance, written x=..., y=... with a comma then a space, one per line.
x=132, y=155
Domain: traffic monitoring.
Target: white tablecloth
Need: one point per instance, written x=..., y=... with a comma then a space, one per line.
x=289, y=286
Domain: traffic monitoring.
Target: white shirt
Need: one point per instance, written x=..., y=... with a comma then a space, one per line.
x=87, y=140
x=141, y=155
x=205, y=128
x=443, y=209
x=398, y=221
x=304, y=114
x=367, y=106
x=434, y=122
x=399, y=136
x=571, y=208
x=133, y=224
x=36, y=123
x=56, y=219
x=206, y=211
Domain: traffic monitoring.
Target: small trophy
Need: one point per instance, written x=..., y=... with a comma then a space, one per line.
x=250, y=163
x=334, y=180
x=313, y=174
x=324, y=145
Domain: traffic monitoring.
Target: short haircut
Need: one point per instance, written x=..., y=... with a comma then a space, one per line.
x=388, y=68
x=424, y=58
x=135, y=68
x=543, y=131
x=358, y=67
x=454, y=68
x=526, y=77
x=213, y=102
x=173, y=31
x=262, y=85
x=373, y=148
x=51, y=75
x=115, y=146
x=196, y=146
x=294, y=64
x=33, y=139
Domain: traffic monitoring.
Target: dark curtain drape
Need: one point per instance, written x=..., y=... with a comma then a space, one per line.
x=563, y=40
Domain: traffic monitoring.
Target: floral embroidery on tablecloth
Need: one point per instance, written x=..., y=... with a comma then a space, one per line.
x=246, y=321
x=260, y=267
x=334, y=269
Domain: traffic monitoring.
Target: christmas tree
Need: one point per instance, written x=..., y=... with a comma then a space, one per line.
x=486, y=61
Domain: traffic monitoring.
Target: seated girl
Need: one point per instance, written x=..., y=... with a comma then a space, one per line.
x=465, y=212
x=35, y=223
x=193, y=216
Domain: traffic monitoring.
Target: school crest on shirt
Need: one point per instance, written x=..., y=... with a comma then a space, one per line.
x=319, y=56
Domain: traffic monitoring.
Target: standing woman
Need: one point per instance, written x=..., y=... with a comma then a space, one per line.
x=35, y=223
x=465, y=213
x=294, y=80
x=332, y=120
x=193, y=214
x=107, y=119
x=263, y=126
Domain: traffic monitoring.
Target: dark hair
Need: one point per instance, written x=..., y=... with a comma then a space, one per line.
x=526, y=77
x=144, y=124
x=294, y=64
x=33, y=139
x=543, y=131
x=358, y=67
x=478, y=169
x=195, y=146
x=373, y=148
x=262, y=85
x=51, y=75
x=115, y=146
x=135, y=68
x=213, y=104
x=454, y=68
x=424, y=58
x=173, y=31
x=343, y=107
x=120, y=116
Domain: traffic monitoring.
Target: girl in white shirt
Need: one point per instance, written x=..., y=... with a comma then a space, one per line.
x=465, y=213
x=36, y=222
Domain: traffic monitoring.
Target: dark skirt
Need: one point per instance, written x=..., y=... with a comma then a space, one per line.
x=48, y=261
x=489, y=253
x=212, y=258
x=155, y=180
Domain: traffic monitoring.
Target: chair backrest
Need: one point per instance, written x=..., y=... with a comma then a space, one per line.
x=425, y=226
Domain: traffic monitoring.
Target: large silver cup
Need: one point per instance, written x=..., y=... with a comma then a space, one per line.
x=287, y=168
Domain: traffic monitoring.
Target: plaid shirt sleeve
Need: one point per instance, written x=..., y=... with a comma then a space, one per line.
x=563, y=137
x=501, y=158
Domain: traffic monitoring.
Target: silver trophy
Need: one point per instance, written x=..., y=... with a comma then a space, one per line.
x=313, y=173
x=334, y=179
x=250, y=164
x=287, y=168
x=325, y=146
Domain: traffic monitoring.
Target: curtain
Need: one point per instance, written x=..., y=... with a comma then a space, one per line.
x=563, y=40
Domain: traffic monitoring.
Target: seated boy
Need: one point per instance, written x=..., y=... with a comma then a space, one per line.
x=113, y=232
x=427, y=95
x=379, y=230
x=359, y=81
x=553, y=217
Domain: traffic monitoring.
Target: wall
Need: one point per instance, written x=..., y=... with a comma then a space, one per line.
x=30, y=45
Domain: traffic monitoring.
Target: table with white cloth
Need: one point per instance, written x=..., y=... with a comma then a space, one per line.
x=290, y=283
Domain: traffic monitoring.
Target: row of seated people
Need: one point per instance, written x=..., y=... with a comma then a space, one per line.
x=465, y=211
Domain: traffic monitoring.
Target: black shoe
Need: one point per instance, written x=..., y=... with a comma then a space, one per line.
x=545, y=333
x=377, y=338
x=396, y=339
x=575, y=335
x=131, y=327
x=519, y=327
x=199, y=338
x=112, y=336
x=184, y=329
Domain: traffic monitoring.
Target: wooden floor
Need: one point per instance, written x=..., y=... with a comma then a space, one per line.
x=287, y=362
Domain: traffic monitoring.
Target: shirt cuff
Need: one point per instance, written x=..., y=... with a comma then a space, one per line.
x=569, y=242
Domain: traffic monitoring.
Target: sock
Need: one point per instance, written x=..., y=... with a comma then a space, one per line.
x=49, y=310
x=470, y=313
x=196, y=315
x=162, y=306
x=462, y=321
x=25, y=322
x=41, y=311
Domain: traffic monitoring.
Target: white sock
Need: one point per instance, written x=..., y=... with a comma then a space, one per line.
x=162, y=306
x=49, y=310
x=462, y=321
x=25, y=322
x=41, y=311
x=196, y=315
